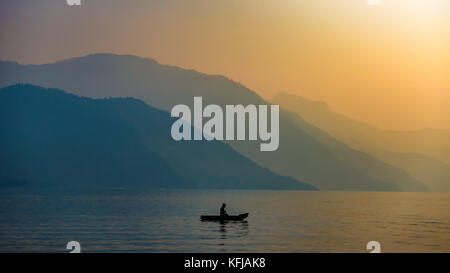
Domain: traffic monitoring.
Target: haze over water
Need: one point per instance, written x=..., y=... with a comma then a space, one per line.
x=279, y=221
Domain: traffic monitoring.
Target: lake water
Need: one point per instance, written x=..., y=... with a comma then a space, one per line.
x=279, y=221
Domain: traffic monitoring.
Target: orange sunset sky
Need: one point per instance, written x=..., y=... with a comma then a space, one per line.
x=388, y=65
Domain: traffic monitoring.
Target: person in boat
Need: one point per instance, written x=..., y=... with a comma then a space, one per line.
x=223, y=212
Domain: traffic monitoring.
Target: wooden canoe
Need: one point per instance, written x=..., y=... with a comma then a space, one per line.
x=239, y=217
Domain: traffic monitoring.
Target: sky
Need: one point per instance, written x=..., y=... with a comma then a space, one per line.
x=387, y=65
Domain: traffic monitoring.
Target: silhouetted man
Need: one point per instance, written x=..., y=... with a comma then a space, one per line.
x=223, y=212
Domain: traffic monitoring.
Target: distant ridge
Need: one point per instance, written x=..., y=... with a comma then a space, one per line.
x=422, y=153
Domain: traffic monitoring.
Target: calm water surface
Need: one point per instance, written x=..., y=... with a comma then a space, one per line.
x=279, y=221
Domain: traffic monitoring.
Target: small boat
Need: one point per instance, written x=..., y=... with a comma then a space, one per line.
x=239, y=217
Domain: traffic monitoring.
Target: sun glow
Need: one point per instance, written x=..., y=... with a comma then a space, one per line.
x=384, y=64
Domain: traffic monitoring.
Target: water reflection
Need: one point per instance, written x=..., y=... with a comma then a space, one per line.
x=233, y=229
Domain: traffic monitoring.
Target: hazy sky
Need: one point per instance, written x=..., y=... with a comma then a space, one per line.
x=388, y=65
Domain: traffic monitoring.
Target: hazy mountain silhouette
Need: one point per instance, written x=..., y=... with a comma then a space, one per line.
x=305, y=153
x=421, y=153
x=55, y=139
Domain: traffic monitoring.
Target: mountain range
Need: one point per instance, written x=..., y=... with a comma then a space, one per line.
x=306, y=152
x=50, y=138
